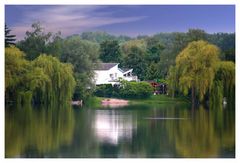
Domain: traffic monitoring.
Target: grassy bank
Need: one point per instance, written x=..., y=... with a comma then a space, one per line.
x=160, y=99
x=157, y=99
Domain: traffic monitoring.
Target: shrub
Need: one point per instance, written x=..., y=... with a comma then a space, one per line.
x=105, y=90
x=127, y=89
x=136, y=90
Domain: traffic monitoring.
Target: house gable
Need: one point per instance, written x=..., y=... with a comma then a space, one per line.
x=109, y=73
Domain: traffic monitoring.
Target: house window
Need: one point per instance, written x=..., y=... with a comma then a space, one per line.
x=111, y=76
x=116, y=75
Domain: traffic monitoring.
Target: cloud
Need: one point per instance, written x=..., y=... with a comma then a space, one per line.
x=69, y=19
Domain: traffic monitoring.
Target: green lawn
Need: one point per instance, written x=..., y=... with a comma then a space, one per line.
x=161, y=99
x=154, y=99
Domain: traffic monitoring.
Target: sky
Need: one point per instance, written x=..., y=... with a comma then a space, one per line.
x=130, y=20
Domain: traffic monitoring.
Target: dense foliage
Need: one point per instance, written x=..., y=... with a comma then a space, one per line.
x=110, y=51
x=43, y=80
x=82, y=55
x=100, y=37
x=200, y=73
x=107, y=90
x=159, y=50
x=151, y=57
x=37, y=42
x=224, y=84
x=135, y=59
x=134, y=90
x=196, y=66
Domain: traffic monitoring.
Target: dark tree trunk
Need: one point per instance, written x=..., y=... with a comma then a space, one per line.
x=193, y=97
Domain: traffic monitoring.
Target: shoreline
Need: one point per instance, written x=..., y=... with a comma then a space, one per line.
x=153, y=100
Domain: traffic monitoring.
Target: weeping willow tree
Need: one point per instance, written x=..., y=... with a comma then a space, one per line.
x=172, y=81
x=16, y=67
x=224, y=84
x=61, y=85
x=195, y=69
x=200, y=73
x=43, y=80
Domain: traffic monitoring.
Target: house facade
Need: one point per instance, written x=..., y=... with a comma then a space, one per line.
x=109, y=73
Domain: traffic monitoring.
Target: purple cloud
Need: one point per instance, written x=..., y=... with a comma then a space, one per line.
x=68, y=19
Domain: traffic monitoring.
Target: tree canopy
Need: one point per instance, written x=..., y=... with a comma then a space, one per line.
x=110, y=51
x=37, y=41
x=43, y=80
x=151, y=57
x=199, y=72
x=224, y=84
x=82, y=55
x=196, y=67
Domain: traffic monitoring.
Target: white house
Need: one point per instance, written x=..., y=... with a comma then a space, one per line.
x=109, y=73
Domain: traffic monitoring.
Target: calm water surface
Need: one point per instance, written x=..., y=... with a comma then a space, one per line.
x=131, y=131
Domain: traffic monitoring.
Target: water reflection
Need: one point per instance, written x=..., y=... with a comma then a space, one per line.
x=111, y=126
x=203, y=136
x=34, y=132
x=122, y=132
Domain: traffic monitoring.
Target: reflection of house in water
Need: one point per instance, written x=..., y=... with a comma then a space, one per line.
x=113, y=125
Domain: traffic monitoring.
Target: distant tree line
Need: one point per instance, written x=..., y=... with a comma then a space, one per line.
x=151, y=57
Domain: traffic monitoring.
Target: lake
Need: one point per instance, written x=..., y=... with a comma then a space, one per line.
x=156, y=131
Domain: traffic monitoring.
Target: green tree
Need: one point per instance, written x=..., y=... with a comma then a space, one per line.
x=152, y=71
x=154, y=49
x=82, y=55
x=9, y=38
x=43, y=80
x=126, y=47
x=38, y=42
x=136, y=59
x=196, y=67
x=35, y=42
x=196, y=35
x=172, y=81
x=174, y=43
x=110, y=51
x=230, y=55
x=61, y=84
x=15, y=68
x=54, y=47
x=224, y=84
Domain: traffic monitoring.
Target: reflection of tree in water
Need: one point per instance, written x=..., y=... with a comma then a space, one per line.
x=65, y=132
x=203, y=135
x=33, y=132
x=224, y=123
